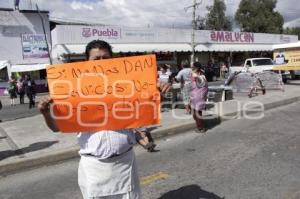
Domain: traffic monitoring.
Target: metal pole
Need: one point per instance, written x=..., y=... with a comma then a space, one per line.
x=193, y=32
x=193, y=44
x=45, y=35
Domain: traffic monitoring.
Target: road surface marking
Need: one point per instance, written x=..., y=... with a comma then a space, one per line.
x=155, y=177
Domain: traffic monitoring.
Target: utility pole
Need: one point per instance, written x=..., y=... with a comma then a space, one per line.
x=45, y=33
x=193, y=44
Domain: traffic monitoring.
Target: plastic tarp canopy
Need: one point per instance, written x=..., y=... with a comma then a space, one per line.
x=27, y=67
x=244, y=82
x=233, y=47
x=241, y=82
x=65, y=49
x=3, y=64
x=270, y=80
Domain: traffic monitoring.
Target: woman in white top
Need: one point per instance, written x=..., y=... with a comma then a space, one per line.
x=185, y=78
x=164, y=79
x=107, y=168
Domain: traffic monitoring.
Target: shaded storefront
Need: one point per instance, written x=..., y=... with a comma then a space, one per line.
x=170, y=45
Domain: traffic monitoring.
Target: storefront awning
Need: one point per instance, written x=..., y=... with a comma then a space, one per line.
x=234, y=47
x=151, y=47
x=27, y=67
x=287, y=45
x=201, y=48
x=3, y=64
x=65, y=49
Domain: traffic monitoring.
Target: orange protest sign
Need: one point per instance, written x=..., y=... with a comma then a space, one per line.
x=108, y=94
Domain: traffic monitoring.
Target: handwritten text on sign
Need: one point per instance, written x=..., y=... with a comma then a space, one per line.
x=106, y=94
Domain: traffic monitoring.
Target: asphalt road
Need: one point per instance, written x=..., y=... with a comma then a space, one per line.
x=239, y=159
x=19, y=111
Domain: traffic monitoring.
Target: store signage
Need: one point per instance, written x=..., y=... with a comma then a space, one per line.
x=34, y=46
x=232, y=37
x=287, y=59
x=285, y=39
x=102, y=32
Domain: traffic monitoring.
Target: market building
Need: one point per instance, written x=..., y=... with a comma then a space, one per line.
x=170, y=45
x=23, y=49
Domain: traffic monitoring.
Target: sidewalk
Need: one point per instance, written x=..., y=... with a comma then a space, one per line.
x=27, y=142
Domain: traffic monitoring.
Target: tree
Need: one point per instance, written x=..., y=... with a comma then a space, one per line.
x=216, y=19
x=200, y=23
x=292, y=31
x=259, y=16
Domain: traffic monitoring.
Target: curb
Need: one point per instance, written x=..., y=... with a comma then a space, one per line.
x=72, y=152
x=267, y=106
x=41, y=160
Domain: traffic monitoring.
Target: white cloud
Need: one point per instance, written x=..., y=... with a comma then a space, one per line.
x=293, y=23
x=75, y=5
x=158, y=13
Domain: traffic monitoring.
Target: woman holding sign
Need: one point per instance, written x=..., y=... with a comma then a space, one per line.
x=107, y=167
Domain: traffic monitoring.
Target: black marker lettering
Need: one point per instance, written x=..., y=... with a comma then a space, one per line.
x=128, y=66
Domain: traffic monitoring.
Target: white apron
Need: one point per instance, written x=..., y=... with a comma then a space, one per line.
x=113, y=176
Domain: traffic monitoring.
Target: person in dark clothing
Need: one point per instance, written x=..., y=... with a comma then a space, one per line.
x=21, y=88
x=210, y=71
x=30, y=90
x=12, y=90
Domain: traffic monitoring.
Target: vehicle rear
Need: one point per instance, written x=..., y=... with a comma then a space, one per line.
x=260, y=65
x=287, y=59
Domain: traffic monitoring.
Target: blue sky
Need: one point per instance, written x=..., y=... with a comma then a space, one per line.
x=142, y=13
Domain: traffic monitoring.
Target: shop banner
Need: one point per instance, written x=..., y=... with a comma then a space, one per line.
x=108, y=94
x=34, y=46
x=287, y=59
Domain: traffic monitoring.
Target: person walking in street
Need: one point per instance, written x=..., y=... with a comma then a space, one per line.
x=12, y=90
x=21, y=88
x=184, y=77
x=198, y=95
x=30, y=90
x=105, y=170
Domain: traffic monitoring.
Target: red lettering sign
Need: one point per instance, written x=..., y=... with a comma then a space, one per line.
x=231, y=37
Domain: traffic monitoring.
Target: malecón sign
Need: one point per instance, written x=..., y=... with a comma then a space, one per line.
x=101, y=32
x=232, y=37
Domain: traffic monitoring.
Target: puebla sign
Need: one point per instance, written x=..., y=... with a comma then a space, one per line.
x=231, y=37
x=101, y=32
